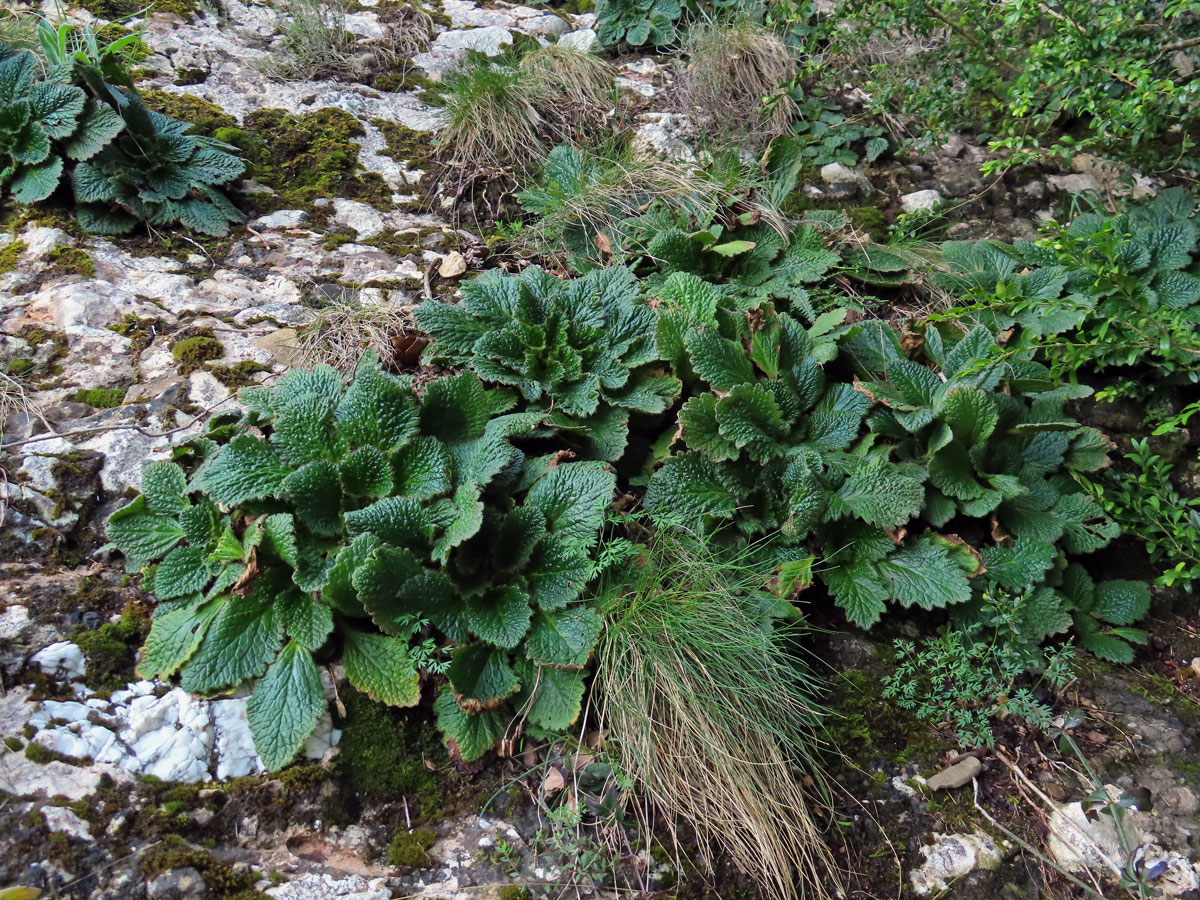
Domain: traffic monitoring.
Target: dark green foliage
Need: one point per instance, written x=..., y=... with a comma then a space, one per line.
x=1107, y=292
x=637, y=22
x=111, y=649
x=408, y=849
x=127, y=163
x=582, y=351
x=368, y=509
x=101, y=398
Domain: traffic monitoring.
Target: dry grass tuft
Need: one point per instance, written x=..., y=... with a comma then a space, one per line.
x=737, y=78
x=347, y=328
x=507, y=113
x=704, y=707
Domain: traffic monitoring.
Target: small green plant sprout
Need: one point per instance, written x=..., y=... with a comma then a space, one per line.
x=348, y=517
x=582, y=351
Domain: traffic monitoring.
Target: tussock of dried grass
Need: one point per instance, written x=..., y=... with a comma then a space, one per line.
x=712, y=718
x=347, y=328
x=737, y=78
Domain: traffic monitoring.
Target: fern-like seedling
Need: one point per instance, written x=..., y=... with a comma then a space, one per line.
x=353, y=519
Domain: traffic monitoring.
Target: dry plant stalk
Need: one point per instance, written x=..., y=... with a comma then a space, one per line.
x=737, y=78
x=346, y=329
x=706, y=711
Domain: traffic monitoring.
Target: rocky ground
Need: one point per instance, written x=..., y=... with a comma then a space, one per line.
x=120, y=788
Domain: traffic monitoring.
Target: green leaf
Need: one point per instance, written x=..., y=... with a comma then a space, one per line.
x=339, y=592
x=882, y=494
x=184, y=570
x=200, y=523
x=466, y=521
x=482, y=676
x=1042, y=614
x=377, y=409
x=701, y=431
x=563, y=639
x=925, y=575
x=381, y=667
x=34, y=183
x=142, y=536
x=1019, y=566
x=971, y=415
x=99, y=125
x=304, y=430
x=286, y=704
x=470, y=736
x=243, y=638
x=394, y=520
x=1121, y=602
x=750, y=419
x=733, y=248
x=305, y=621
x=246, y=469
x=164, y=486
x=173, y=638
x=423, y=469
x=315, y=492
x=455, y=408
x=557, y=695
x=500, y=617
x=686, y=487
x=57, y=107
x=574, y=498
x=858, y=593
x=719, y=361
x=367, y=473
x=279, y=533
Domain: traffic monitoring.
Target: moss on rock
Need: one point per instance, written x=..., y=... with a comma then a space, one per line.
x=409, y=849
x=121, y=9
x=101, y=398
x=111, y=650
x=192, y=352
x=10, y=253
x=70, y=261
x=205, y=118
x=309, y=157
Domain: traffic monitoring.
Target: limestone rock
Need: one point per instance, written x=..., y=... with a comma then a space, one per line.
x=919, y=200
x=583, y=40
x=453, y=265
x=488, y=41
x=951, y=857
x=59, y=818
x=62, y=659
x=837, y=175
x=177, y=884
x=21, y=776
x=284, y=218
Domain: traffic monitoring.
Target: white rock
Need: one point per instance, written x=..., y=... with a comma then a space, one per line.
x=919, y=200
x=453, y=265
x=1074, y=183
x=837, y=174
x=582, y=40
x=14, y=621
x=365, y=220
x=465, y=14
x=950, y=857
x=284, y=218
x=61, y=658
x=21, y=776
x=638, y=87
x=545, y=26
x=313, y=886
x=488, y=41
x=234, y=743
x=1078, y=843
x=1181, y=876
x=39, y=240
x=365, y=25
x=59, y=818
x=124, y=452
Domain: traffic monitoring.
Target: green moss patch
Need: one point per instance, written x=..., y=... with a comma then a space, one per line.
x=239, y=375
x=383, y=756
x=120, y=9
x=193, y=352
x=111, y=650
x=10, y=253
x=70, y=261
x=308, y=157
x=204, y=117
x=409, y=849
x=184, y=77
x=101, y=398
x=222, y=881
x=114, y=31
